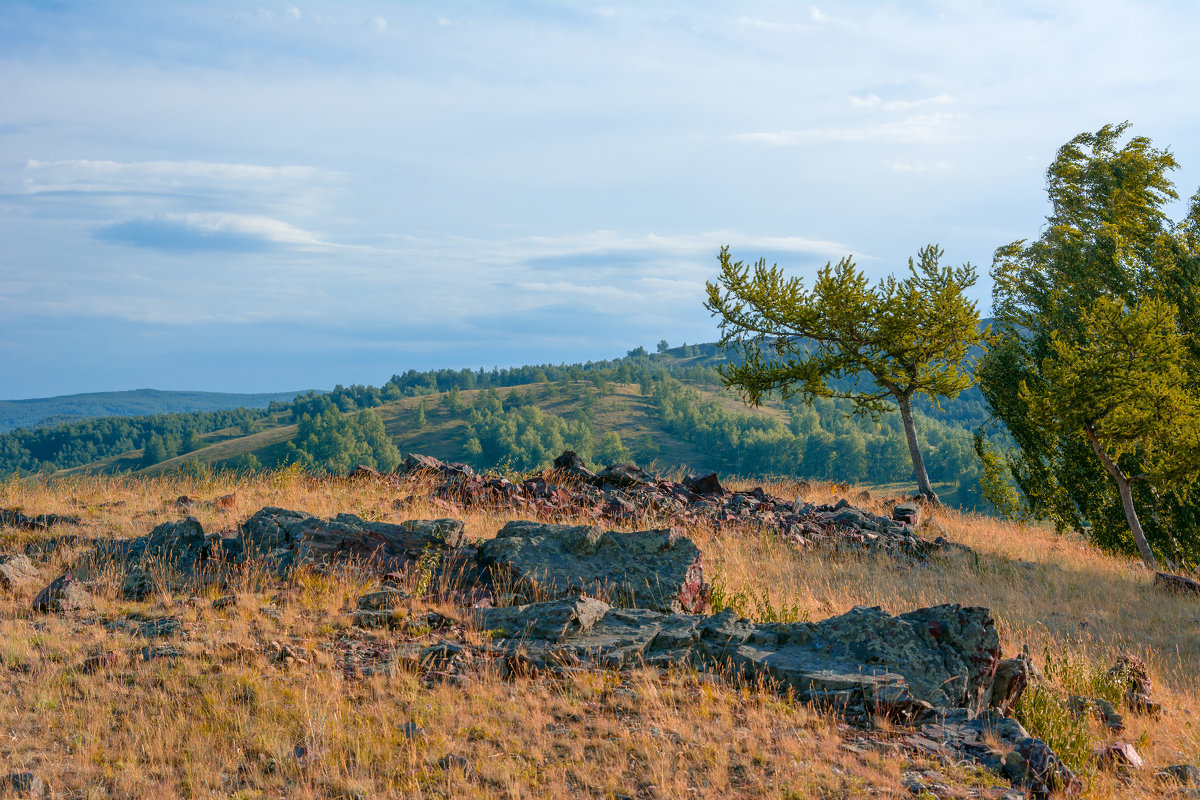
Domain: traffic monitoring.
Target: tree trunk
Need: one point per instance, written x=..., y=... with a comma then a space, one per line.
x=1135, y=525
x=914, y=450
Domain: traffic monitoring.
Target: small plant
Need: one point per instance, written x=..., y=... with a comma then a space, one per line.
x=1045, y=713
x=750, y=606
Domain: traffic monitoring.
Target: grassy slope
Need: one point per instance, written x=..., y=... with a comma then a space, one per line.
x=625, y=411
x=228, y=718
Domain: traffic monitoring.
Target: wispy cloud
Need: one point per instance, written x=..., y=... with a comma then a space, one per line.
x=874, y=101
x=927, y=128
x=84, y=175
x=208, y=232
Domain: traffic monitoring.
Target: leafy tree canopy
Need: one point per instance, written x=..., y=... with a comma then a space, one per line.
x=891, y=341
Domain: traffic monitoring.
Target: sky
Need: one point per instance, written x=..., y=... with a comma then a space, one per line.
x=235, y=196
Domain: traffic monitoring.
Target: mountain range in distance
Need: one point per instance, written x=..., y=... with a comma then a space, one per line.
x=41, y=412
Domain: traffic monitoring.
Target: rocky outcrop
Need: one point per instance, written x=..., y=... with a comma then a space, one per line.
x=657, y=569
x=999, y=744
x=289, y=539
x=943, y=656
x=624, y=493
x=934, y=667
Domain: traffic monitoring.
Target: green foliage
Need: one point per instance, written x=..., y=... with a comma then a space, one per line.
x=994, y=481
x=335, y=442
x=892, y=341
x=1096, y=322
x=757, y=607
x=247, y=462
x=1044, y=710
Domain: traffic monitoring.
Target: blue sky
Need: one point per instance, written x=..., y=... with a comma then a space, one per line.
x=259, y=197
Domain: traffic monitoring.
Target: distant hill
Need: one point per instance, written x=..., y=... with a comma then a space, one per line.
x=42, y=412
x=667, y=410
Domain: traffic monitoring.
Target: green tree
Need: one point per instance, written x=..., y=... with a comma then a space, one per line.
x=191, y=441
x=1102, y=311
x=1124, y=389
x=154, y=451
x=663, y=345
x=876, y=346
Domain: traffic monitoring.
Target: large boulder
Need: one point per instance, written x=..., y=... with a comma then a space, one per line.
x=659, y=570
x=290, y=538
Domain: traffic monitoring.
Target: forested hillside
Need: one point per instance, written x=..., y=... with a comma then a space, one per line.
x=668, y=408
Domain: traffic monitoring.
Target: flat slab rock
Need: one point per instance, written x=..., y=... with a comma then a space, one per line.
x=942, y=657
x=660, y=570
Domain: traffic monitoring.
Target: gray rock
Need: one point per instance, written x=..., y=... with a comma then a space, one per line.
x=23, y=784
x=1098, y=707
x=863, y=658
x=16, y=572
x=386, y=598
x=1012, y=676
x=290, y=539
x=63, y=595
x=1182, y=774
x=657, y=569
x=181, y=542
x=1119, y=757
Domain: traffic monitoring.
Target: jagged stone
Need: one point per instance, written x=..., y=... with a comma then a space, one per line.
x=387, y=598
x=181, y=542
x=16, y=572
x=625, y=475
x=1002, y=745
x=1130, y=671
x=23, y=784
x=1012, y=676
x=290, y=539
x=657, y=569
x=62, y=596
x=708, y=484
x=623, y=492
x=1119, y=757
x=570, y=463
x=935, y=657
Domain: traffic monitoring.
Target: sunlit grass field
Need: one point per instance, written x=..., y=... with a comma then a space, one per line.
x=255, y=704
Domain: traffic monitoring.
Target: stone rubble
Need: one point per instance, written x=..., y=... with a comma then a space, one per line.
x=624, y=493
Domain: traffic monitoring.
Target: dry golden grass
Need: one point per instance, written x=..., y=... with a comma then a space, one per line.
x=228, y=718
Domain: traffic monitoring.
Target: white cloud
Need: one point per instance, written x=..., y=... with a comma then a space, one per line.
x=937, y=166
x=378, y=23
x=873, y=101
x=266, y=228
x=924, y=128
x=102, y=175
x=293, y=12
x=769, y=25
